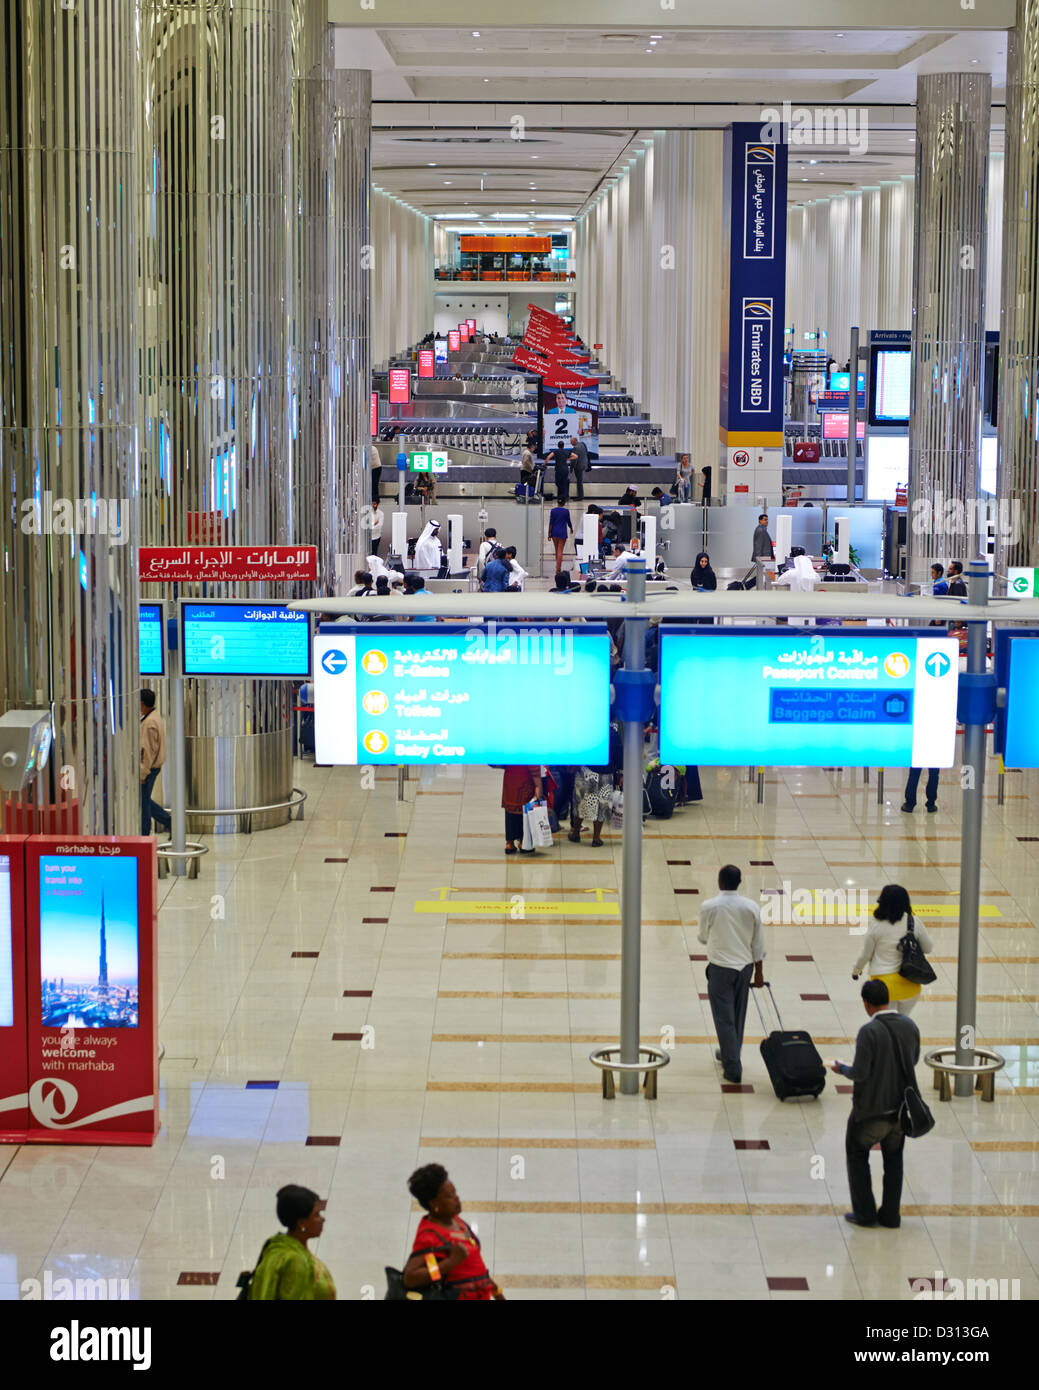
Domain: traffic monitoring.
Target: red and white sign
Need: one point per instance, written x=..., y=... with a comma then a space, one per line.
x=426, y=362
x=741, y=487
x=400, y=385
x=199, y=564
x=463, y=332
x=835, y=426
x=740, y=458
x=471, y=326
x=597, y=346
x=91, y=1021
x=454, y=340
x=374, y=413
x=532, y=362
x=14, y=1071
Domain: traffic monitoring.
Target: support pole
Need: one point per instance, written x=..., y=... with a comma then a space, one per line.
x=865, y=776
x=631, y=872
x=977, y=577
x=1001, y=794
x=761, y=786
x=853, y=411
x=178, y=814
x=880, y=786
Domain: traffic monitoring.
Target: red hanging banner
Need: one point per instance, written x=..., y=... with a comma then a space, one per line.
x=271, y=563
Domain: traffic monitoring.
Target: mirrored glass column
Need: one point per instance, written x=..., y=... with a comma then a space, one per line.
x=1017, y=533
x=948, y=324
x=69, y=401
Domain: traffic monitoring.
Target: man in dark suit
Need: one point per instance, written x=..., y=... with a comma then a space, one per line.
x=561, y=465
x=887, y=1050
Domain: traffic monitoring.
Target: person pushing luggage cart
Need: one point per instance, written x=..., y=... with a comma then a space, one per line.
x=730, y=928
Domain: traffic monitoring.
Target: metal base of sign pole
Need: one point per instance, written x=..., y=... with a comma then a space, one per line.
x=761, y=786
x=752, y=773
x=865, y=776
x=1001, y=792
x=880, y=786
x=631, y=864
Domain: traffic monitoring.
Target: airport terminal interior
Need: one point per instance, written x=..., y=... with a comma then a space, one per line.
x=348, y=347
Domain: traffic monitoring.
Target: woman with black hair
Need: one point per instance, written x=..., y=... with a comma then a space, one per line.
x=286, y=1270
x=702, y=576
x=881, y=947
x=446, y=1248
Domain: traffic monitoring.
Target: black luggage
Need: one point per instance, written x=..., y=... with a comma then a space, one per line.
x=793, y=1063
x=662, y=797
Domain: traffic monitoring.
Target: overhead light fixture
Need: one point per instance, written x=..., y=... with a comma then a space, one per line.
x=448, y=181
x=432, y=164
x=476, y=33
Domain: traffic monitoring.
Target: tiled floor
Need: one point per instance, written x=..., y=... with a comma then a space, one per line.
x=377, y=986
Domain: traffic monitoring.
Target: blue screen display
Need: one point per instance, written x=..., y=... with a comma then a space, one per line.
x=152, y=645
x=245, y=639
x=485, y=693
x=840, y=381
x=797, y=698
x=1017, y=728
x=88, y=942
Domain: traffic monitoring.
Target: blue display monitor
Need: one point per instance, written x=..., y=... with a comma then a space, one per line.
x=841, y=381
x=233, y=638
x=152, y=640
x=395, y=693
x=794, y=697
x=890, y=385
x=1017, y=671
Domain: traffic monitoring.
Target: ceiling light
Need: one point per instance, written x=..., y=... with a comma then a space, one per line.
x=431, y=164
x=649, y=50
x=487, y=79
x=813, y=161
x=476, y=33
x=838, y=36
x=656, y=36
x=447, y=181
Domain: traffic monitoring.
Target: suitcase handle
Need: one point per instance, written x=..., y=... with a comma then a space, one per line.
x=774, y=1005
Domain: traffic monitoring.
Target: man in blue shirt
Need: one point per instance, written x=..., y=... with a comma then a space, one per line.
x=415, y=587
x=938, y=584
x=496, y=574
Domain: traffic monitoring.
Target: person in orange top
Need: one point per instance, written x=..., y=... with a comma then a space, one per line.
x=446, y=1247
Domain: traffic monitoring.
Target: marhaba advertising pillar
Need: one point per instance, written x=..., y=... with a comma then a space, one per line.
x=68, y=400
x=1018, y=469
x=753, y=308
x=948, y=328
x=220, y=293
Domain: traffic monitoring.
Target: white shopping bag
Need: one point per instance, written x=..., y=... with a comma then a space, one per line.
x=536, y=827
x=617, y=810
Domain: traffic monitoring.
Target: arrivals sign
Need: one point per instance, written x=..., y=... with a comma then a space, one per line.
x=444, y=693
x=227, y=563
x=400, y=385
x=91, y=988
x=752, y=343
x=797, y=698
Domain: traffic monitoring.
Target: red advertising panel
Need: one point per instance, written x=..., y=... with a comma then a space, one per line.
x=426, y=362
x=14, y=1074
x=454, y=340
x=835, y=426
x=471, y=325
x=400, y=385
x=166, y=564
x=91, y=980
x=373, y=411
x=530, y=361
x=463, y=332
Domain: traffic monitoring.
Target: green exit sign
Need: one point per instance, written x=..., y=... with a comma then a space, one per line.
x=429, y=461
x=1021, y=583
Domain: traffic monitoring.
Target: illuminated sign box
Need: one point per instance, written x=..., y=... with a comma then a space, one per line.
x=396, y=693
x=400, y=385
x=373, y=411
x=430, y=461
x=1017, y=671
x=798, y=698
x=454, y=340
x=152, y=642
x=92, y=1029
x=253, y=639
x=835, y=426
x=426, y=362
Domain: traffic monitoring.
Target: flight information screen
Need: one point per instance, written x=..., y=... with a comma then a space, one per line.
x=891, y=386
x=152, y=646
x=245, y=639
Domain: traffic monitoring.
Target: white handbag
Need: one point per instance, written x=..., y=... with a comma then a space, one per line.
x=536, y=827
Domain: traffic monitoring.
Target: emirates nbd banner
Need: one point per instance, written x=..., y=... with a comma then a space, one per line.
x=753, y=286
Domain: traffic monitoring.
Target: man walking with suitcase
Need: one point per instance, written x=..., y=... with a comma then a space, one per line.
x=887, y=1050
x=730, y=928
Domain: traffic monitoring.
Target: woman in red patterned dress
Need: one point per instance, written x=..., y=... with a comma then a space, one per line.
x=446, y=1247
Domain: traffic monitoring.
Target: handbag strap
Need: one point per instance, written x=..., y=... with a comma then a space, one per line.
x=908, y=1074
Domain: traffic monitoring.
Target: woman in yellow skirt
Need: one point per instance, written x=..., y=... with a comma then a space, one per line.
x=881, y=951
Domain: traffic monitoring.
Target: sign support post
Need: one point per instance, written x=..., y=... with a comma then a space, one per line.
x=178, y=810
x=976, y=707
x=853, y=413
x=631, y=870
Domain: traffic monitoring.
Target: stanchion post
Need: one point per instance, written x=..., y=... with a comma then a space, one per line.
x=761, y=786
x=1001, y=793
x=880, y=786
x=178, y=812
x=976, y=707
x=631, y=871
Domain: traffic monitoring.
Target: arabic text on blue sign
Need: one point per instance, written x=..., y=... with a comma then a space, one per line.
x=151, y=644
x=797, y=698
x=245, y=639
x=397, y=693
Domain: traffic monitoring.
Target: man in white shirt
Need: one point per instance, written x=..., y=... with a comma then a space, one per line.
x=615, y=567
x=488, y=546
x=730, y=928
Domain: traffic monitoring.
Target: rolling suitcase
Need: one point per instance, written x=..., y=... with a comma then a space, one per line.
x=794, y=1066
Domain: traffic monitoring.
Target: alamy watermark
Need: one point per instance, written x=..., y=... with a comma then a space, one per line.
x=521, y=646
x=943, y=1288
x=824, y=907
x=979, y=516
x=47, y=515
x=843, y=127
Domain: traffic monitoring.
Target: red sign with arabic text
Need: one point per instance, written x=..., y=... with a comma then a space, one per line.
x=226, y=563
x=374, y=411
x=426, y=363
x=400, y=385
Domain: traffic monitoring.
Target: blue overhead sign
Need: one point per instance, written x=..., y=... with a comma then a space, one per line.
x=797, y=698
x=1017, y=671
x=483, y=693
x=224, y=638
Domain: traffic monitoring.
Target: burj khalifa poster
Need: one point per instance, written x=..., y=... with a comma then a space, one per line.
x=88, y=942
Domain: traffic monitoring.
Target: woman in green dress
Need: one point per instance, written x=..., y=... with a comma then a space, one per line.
x=286, y=1269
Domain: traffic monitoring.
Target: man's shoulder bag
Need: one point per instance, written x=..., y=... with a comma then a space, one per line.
x=914, y=1115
